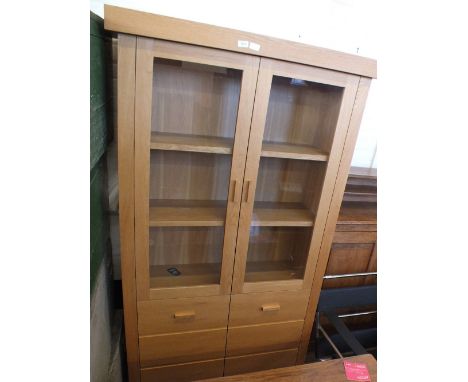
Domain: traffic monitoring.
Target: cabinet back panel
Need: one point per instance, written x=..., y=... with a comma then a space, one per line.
x=290, y=181
x=302, y=112
x=189, y=176
x=196, y=99
x=277, y=253
x=186, y=245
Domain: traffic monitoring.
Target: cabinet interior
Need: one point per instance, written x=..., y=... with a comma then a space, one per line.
x=194, y=251
x=301, y=117
x=277, y=253
x=194, y=100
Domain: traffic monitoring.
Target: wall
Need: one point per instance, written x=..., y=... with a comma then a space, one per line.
x=342, y=25
x=105, y=320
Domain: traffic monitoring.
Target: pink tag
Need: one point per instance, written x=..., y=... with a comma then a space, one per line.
x=356, y=371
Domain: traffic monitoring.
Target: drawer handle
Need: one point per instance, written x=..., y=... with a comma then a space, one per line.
x=270, y=307
x=184, y=315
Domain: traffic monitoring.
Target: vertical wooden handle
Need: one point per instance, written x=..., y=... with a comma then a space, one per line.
x=234, y=191
x=271, y=307
x=247, y=191
x=184, y=315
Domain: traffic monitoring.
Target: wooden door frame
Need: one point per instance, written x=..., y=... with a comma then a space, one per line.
x=146, y=50
x=126, y=166
x=331, y=219
x=269, y=68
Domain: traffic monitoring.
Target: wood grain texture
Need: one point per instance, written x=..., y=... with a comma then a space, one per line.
x=327, y=371
x=126, y=113
x=355, y=237
x=286, y=150
x=158, y=317
x=173, y=348
x=146, y=24
x=187, y=216
x=276, y=270
x=194, y=274
x=302, y=112
x=282, y=217
x=184, y=372
x=261, y=361
x=357, y=213
x=185, y=245
x=193, y=143
x=246, y=309
x=336, y=199
x=345, y=259
x=250, y=339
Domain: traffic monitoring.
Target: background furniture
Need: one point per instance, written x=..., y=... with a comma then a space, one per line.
x=232, y=165
x=352, y=265
x=354, y=248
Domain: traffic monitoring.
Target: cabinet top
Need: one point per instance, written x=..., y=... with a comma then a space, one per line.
x=139, y=23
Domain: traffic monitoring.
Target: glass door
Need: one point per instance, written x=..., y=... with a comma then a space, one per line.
x=299, y=123
x=193, y=109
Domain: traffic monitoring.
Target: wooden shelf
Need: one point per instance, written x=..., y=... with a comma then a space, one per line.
x=291, y=151
x=185, y=213
x=281, y=215
x=191, y=274
x=257, y=271
x=193, y=143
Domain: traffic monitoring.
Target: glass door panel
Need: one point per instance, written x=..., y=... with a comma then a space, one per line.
x=292, y=140
x=191, y=133
x=194, y=113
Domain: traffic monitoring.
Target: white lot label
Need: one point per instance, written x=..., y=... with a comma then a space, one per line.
x=254, y=46
x=242, y=44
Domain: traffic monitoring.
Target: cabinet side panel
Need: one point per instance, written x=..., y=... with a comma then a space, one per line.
x=345, y=163
x=126, y=117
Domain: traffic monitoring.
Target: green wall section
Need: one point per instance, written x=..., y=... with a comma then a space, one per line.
x=99, y=91
x=100, y=123
x=99, y=219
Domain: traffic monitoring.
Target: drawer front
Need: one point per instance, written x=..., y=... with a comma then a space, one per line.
x=184, y=371
x=167, y=349
x=355, y=237
x=356, y=227
x=258, y=362
x=182, y=314
x=252, y=339
x=260, y=308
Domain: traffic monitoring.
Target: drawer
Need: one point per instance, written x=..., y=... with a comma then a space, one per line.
x=182, y=314
x=340, y=227
x=243, y=340
x=166, y=349
x=259, y=308
x=184, y=371
x=258, y=362
x=355, y=237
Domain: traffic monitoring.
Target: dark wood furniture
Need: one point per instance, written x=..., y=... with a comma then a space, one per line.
x=354, y=248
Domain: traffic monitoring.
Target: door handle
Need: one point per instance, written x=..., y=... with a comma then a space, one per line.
x=248, y=189
x=184, y=315
x=235, y=192
x=271, y=307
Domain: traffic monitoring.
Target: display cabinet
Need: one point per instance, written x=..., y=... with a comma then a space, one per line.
x=232, y=147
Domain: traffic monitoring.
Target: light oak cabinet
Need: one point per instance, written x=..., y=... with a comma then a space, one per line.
x=230, y=163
